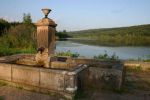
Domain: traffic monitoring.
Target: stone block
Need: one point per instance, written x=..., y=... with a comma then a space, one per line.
x=52, y=79
x=5, y=71
x=105, y=77
x=25, y=75
x=59, y=65
x=63, y=62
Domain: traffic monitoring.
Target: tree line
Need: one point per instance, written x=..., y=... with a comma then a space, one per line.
x=124, y=36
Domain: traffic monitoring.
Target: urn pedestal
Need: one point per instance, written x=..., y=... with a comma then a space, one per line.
x=46, y=29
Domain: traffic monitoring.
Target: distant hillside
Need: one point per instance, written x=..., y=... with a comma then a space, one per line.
x=141, y=29
x=134, y=35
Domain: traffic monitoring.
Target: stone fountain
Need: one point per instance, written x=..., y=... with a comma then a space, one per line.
x=44, y=72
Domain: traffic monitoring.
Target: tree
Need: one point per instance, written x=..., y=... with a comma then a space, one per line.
x=4, y=25
x=64, y=31
x=27, y=18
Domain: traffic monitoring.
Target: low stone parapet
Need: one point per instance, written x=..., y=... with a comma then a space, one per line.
x=44, y=80
x=103, y=73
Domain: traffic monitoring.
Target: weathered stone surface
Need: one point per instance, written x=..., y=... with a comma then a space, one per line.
x=107, y=77
x=100, y=63
x=66, y=81
x=44, y=80
x=42, y=58
x=102, y=72
x=25, y=75
x=52, y=79
x=62, y=63
x=46, y=29
x=5, y=71
x=26, y=62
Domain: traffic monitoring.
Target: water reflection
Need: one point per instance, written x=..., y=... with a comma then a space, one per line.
x=90, y=51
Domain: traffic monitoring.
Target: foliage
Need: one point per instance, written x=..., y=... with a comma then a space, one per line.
x=62, y=35
x=15, y=23
x=18, y=38
x=147, y=60
x=4, y=25
x=2, y=83
x=129, y=36
x=27, y=18
x=106, y=56
x=68, y=53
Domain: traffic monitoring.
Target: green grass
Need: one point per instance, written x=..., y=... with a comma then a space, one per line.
x=135, y=69
x=81, y=95
x=2, y=83
x=11, y=51
x=68, y=53
x=105, y=56
x=147, y=60
x=1, y=98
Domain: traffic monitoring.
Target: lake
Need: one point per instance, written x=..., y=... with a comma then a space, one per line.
x=123, y=52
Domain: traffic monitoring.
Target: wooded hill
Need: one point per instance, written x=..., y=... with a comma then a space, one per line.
x=130, y=36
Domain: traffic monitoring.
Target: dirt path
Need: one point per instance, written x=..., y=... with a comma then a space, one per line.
x=11, y=93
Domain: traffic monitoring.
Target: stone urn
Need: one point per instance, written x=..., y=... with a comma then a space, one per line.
x=46, y=12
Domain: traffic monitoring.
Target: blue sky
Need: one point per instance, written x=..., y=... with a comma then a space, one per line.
x=81, y=14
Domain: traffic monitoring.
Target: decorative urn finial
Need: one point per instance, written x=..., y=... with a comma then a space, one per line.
x=46, y=12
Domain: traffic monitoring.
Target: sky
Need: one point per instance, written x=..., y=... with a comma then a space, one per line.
x=73, y=15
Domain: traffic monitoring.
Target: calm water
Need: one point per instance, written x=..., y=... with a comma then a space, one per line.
x=90, y=51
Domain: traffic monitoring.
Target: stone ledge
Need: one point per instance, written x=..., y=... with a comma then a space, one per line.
x=41, y=79
x=5, y=71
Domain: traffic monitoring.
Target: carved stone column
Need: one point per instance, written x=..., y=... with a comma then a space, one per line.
x=46, y=29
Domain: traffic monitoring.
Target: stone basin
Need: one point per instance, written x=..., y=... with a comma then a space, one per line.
x=64, y=76
x=44, y=80
x=63, y=62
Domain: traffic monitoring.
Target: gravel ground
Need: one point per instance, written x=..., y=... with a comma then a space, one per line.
x=11, y=93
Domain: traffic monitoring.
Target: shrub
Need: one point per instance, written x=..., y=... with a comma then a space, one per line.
x=4, y=26
x=17, y=39
x=68, y=53
x=105, y=56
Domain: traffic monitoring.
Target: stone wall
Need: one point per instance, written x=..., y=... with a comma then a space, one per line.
x=103, y=74
x=42, y=80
